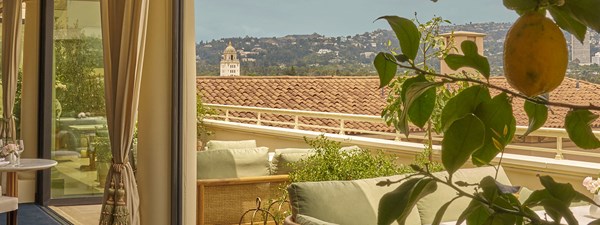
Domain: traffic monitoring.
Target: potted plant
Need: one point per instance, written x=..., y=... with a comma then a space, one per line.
x=103, y=158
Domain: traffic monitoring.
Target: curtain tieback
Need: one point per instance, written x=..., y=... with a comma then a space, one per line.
x=118, y=167
x=8, y=118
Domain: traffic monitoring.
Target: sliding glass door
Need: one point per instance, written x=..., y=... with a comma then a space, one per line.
x=79, y=133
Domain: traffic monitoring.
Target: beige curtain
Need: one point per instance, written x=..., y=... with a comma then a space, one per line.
x=124, y=37
x=11, y=28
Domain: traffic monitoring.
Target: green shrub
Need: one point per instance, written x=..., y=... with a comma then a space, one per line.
x=102, y=147
x=329, y=163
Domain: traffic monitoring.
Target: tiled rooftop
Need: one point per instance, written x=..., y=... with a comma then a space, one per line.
x=354, y=95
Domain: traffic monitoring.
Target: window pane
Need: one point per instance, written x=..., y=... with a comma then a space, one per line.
x=79, y=119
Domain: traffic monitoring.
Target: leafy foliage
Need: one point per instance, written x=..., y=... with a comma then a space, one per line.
x=385, y=68
x=537, y=114
x=79, y=87
x=577, y=124
x=329, y=163
x=202, y=111
x=407, y=33
x=102, y=148
x=403, y=199
x=471, y=58
x=477, y=126
x=464, y=137
x=418, y=99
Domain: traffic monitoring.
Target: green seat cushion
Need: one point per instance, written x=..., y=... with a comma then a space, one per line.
x=233, y=163
x=307, y=220
x=284, y=157
x=218, y=145
x=430, y=204
x=343, y=202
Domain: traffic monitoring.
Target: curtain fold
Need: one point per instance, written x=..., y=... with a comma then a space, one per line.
x=11, y=28
x=124, y=36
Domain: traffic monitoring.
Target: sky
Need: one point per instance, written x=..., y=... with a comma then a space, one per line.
x=216, y=19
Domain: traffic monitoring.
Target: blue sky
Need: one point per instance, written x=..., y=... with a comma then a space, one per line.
x=217, y=19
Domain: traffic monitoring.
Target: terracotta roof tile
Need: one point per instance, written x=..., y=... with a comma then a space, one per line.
x=355, y=95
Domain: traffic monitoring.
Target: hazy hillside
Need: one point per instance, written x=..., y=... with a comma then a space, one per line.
x=315, y=54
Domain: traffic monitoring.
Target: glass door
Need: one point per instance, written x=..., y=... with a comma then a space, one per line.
x=79, y=132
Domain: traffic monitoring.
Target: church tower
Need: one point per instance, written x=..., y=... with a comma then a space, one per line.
x=230, y=64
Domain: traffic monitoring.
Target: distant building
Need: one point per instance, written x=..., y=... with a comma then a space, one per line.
x=230, y=64
x=458, y=37
x=368, y=55
x=580, y=52
x=324, y=51
x=596, y=58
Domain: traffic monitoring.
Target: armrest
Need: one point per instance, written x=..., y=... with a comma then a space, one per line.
x=223, y=201
x=244, y=180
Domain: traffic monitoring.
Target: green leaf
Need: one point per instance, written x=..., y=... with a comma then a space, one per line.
x=495, y=192
x=464, y=137
x=500, y=123
x=385, y=68
x=561, y=191
x=471, y=58
x=520, y=6
x=479, y=215
x=401, y=58
x=396, y=205
x=413, y=92
x=584, y=11
x=421, y=108
x=577, y=124
x=472, y=207
x=501, y=219
x=581, y=197
x=557, y=210
x=407, y=33
x=462, y=104
x=440, y=213
x=531, y=213
x=568, y=23
x=537, y=114
x=536, y=197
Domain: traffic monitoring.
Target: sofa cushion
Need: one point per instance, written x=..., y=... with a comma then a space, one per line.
x=307, y=220
x=218, y=145
x=283, y=158
x=343, y=202
x=233, y=163
x=430, y=204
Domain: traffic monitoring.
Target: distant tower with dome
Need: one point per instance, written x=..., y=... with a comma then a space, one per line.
x=230, y=64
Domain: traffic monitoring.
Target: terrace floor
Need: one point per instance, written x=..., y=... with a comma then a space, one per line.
x=80, y=215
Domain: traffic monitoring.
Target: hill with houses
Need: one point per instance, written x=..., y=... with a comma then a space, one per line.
x=316, y=55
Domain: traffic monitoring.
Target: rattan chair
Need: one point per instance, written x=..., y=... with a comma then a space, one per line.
x=224, y=201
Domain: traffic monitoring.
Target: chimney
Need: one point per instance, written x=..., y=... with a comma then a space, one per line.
x=459, y=37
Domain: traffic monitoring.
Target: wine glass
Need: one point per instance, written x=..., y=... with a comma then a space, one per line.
x=20, y=149
x=2, y=147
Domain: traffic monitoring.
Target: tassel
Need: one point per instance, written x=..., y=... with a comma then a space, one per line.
x=121, y=214
x=108, y=207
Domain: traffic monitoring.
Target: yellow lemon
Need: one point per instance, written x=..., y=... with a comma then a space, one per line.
x=535, y=55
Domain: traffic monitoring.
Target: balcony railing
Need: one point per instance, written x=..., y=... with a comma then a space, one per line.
x=256, y=115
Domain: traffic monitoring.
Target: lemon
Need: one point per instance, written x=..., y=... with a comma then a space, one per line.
x=535, y=55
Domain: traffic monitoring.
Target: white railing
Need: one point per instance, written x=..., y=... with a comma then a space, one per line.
x=224, y=112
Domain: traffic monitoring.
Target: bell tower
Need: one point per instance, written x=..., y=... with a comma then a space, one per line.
x=230, y=64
